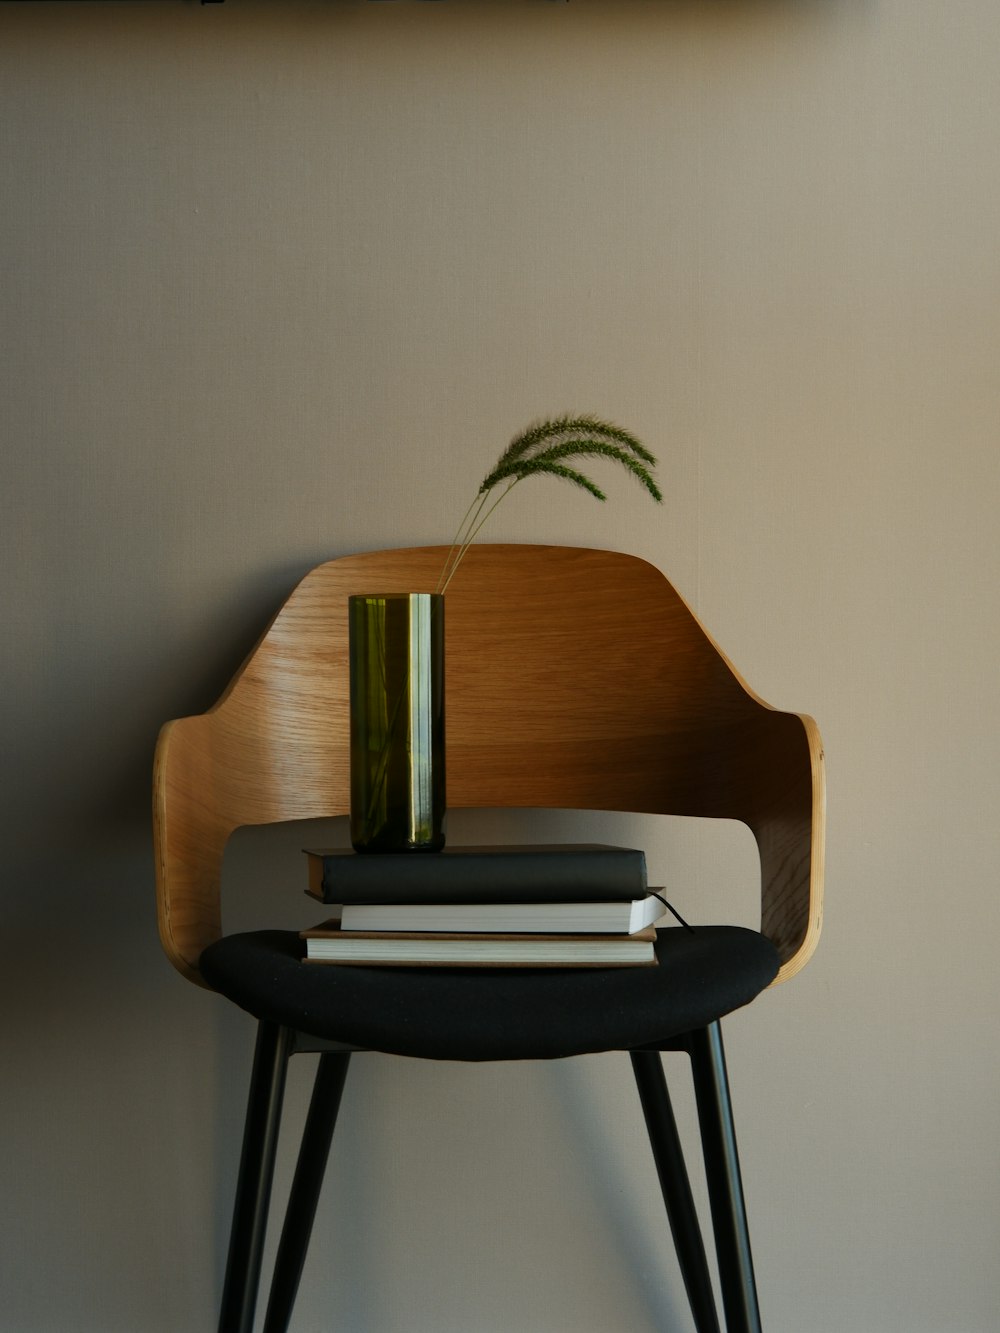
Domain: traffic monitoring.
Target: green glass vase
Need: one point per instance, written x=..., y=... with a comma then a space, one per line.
x=397, y=722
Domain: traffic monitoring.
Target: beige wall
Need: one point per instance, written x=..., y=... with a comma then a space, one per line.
x=279, y=280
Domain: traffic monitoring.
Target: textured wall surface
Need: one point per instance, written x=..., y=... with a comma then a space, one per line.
x=278, y=283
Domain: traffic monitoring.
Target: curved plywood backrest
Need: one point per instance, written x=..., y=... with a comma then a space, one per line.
x=575, y=679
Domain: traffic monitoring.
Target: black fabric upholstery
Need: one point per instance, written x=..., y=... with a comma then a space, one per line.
x=496, y=1014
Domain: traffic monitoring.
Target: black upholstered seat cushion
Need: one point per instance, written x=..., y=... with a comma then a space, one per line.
x=496, y=1014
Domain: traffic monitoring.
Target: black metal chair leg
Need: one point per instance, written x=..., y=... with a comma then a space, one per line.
x=725, y=1185
x=313, y=1152
x=253, y=1189
x=672, y=1171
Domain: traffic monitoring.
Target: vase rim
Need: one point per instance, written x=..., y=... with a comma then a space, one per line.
x=389, y=596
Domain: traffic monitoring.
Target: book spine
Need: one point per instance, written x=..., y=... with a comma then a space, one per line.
x=617, y=875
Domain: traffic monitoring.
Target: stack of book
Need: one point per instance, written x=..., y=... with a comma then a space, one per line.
x=568, y=905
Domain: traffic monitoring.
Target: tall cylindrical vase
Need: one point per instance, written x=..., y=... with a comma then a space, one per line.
x=397, y=722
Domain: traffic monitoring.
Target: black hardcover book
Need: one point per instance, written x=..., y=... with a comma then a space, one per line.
x=560, y=872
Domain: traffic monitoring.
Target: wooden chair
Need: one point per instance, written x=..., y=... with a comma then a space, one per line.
x=576, y=679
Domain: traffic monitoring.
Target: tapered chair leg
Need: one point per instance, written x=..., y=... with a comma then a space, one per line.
x=669, y=1158
x=253, y=1189
x=313, y=1153
x=725, y=1185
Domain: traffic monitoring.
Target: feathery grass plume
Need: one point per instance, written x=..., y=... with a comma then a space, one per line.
x=543, y=450
x=548, y=459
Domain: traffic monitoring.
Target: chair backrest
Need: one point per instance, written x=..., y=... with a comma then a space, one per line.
x=575, y=679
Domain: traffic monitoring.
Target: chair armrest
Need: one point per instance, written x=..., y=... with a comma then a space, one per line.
x=785, y=807
x=189, y=843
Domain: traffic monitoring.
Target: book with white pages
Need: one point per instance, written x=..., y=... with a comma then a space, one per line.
x=328, y=944
x=554, y=918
